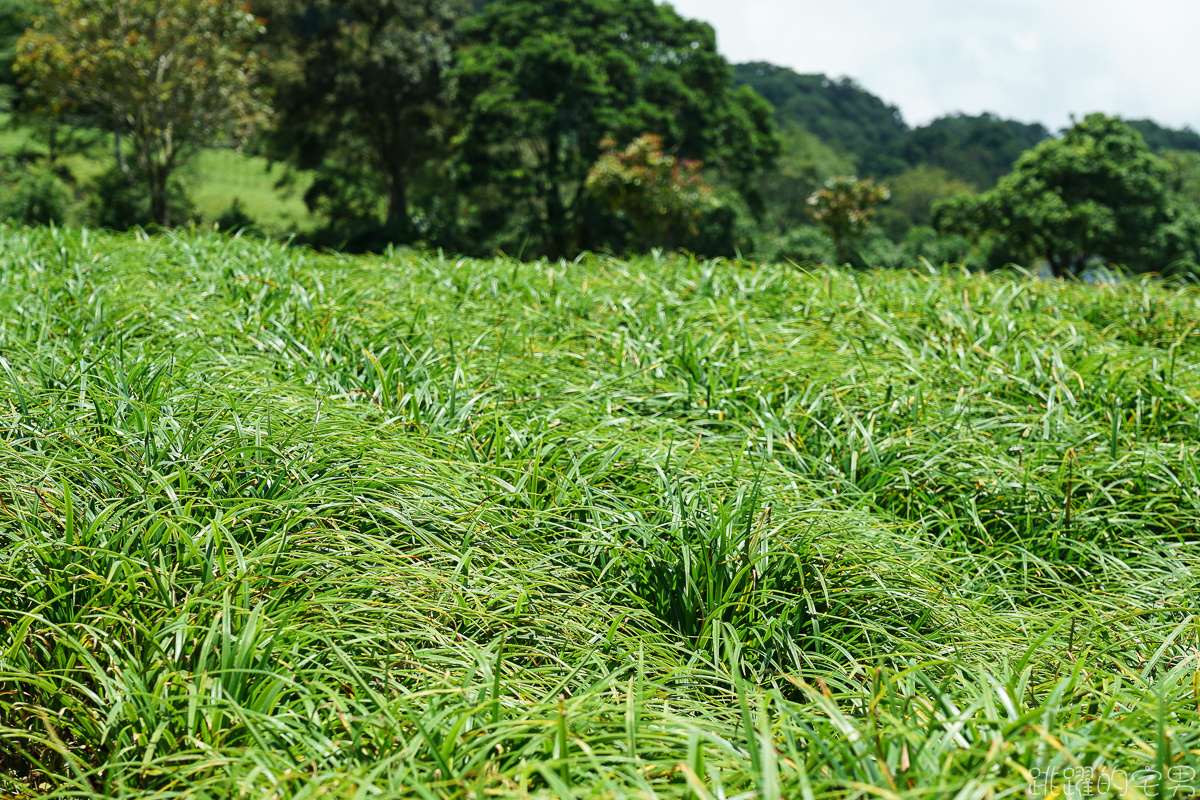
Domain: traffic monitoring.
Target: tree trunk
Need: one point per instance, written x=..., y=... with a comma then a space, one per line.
x=556, y=222
x=120, y=152
x=558, y=216
x=397, y=197
x=160, y=209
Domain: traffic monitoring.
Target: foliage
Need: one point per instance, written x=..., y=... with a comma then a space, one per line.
x=1095, y=192
x=543, y=83
x=1184, y=180
x=866, y=135
x=1160, y=138
x=294, y=525
x=661, y=197
x=913, y=193
x=114, y=203
x=839, y=112
x=924, y=242
x=33, y=194
x=844, y=208
x=171, y=75
x=363, y=97
x=805, y=163
x=977, y=150
x=15, y=17
x=806, y=244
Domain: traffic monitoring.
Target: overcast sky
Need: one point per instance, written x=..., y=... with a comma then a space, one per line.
x=1031, y=60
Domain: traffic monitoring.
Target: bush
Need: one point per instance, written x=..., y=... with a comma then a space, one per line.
x=120, y=205
x=876, y=251
x=938, y=249
x=235, y=219
x=33, y=195
x=804, y=245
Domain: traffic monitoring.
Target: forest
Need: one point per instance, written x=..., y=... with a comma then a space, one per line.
x=534, y=128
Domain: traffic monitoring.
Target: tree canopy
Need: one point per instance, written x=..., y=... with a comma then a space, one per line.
x=172, y=75
x=1160, y=139
x=975, y=149
x=1096, y=192
x=364, y=98
x=15, y=17
x=545, y=83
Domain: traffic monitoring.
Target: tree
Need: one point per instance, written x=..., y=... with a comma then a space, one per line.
x=364, y=99
x=804, y=165
x=661, y=197
x=1097, y=191
x=545, y=82
x=845, y=208
x=15, y=17
x=171, y=75
x=1160, y=139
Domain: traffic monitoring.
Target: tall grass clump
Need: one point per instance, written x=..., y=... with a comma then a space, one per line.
x=280, y=524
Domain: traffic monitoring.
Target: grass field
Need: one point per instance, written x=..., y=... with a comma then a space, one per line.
x=275, y=524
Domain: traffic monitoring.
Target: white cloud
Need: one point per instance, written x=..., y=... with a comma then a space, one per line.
x=1029, y=60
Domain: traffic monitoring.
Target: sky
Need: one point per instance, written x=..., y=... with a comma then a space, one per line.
x=1030, y=60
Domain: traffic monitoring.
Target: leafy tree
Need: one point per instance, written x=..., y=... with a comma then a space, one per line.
x=15, y=17
x=660, y=196
x=1184, y=182
x=363, y=97
x=1096, y=192
x=544, y=82
x=1179, y=239
x=172, y=75
x=844, y=208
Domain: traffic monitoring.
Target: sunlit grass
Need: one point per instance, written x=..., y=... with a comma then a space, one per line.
x=213, y=180
x=277, y=524
x=221, y=176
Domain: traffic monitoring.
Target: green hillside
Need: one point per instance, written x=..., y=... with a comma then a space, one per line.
x=275, y=524
x=840, y=112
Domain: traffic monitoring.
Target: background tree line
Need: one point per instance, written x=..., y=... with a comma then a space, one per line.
x=546, y=127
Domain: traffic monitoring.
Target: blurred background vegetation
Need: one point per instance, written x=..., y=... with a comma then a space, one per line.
x=504, y=126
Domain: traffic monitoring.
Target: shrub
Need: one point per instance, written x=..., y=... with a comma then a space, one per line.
x=117, y=204
x=805, y=245
x=938, y=249
x=33, y=195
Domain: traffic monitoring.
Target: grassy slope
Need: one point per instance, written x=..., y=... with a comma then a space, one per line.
x=275, y=524
x=213, y=181
x=219, y=177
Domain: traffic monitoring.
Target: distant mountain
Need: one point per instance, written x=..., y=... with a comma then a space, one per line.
x=838, y=111
x=975, y=149
x=1160, y=138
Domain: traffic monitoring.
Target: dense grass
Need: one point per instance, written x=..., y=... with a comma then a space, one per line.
x=281, y=525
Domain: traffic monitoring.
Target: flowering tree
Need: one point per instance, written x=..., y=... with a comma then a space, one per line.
x=661, y=197
x=845, y=208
